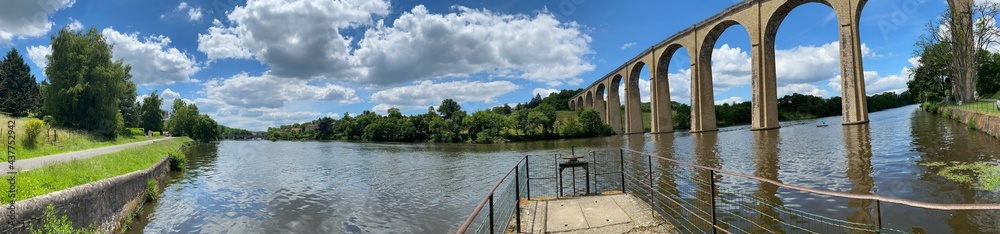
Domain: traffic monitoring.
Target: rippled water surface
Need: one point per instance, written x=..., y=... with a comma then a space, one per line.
x=351, y=187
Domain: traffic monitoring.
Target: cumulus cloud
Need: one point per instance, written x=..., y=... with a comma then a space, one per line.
x=421, y=44
x=876, y=84
x=313, y=47
x=268, y=91
x=37, y=55
x=74, y=25
x=543, y=92
x=28, y=18
x=152, y=59
x=731, y=101
x=805, y=89
x=417, y=45
x=427, y=93
x=221, y=42
x=193, y=13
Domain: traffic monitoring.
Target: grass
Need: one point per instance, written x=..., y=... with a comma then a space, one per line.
x=68, y=140
x=61, y=176
x=981, y=175
x=982, y=107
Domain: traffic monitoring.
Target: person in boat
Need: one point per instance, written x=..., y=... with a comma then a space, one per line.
x=823, y=122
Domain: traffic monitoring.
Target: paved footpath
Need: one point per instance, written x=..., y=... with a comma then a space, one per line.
x=32, y=163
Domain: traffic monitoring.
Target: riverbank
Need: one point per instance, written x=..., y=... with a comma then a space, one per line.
x=985, y=121
x=95, y=192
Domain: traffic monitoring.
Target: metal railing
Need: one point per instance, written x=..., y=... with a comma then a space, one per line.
x=698, y=199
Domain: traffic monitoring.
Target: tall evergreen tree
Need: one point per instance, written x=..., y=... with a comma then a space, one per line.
x=152, y=115
x=18, y=89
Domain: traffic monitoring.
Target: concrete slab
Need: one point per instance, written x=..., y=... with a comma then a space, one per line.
x=565, y=215
x=602, y=211
x=616, y=213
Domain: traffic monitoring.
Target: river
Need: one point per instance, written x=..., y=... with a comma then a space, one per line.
x=356, y=187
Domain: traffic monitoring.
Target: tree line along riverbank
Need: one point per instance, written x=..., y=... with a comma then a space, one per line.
x=539, y=119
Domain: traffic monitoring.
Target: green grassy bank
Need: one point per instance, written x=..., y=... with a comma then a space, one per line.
x=55, y=140
x=61, y=176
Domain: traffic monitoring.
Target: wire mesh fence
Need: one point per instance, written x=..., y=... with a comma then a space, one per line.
x=695, y=198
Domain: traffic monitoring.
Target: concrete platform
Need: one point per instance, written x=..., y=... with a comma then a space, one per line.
x=614, y=213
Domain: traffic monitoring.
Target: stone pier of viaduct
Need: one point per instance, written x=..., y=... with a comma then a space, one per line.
x=761, y=18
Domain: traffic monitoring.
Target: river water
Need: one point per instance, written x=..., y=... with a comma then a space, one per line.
x=355, y=187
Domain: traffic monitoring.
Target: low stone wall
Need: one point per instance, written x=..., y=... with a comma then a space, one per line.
x=986, y=123
x=104, y=203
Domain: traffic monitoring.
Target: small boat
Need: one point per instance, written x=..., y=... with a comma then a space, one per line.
x=821, y=125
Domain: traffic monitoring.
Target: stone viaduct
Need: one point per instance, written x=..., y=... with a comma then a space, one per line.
x=761, y=18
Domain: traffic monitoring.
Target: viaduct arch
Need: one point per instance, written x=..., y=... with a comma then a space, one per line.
x=761, y=18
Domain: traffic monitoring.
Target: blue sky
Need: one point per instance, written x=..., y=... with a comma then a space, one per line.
x=260, y=63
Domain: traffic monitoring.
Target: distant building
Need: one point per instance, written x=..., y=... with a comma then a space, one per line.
x=311, y=127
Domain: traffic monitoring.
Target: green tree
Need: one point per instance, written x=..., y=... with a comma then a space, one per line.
x=591, y=124
x=182, y=118
x=326, y=128
x=127, y=105
x=85, y=87
x=485, y=126
x=930, y=82
x=18, y=90
x=204, y=128
x=152, y=115
x=448, y=107
x=548, y=125
x=988, y=80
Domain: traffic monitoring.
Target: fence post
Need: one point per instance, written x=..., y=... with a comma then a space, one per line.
x=711, y=178
x=594, y=153
x=878, y=216
x=621, y=156
x=517, y=197
x=652, y=203
x=491, y=214
x=527, y=175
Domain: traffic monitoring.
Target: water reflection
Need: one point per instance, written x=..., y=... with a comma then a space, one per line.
x=857, y=141
x=766, y=165
x=706, y=154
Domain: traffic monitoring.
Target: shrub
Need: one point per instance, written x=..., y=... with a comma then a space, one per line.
x=32, y=129
x=152, y=190
x=177, y=161
x=972, y=122
x=53, y=223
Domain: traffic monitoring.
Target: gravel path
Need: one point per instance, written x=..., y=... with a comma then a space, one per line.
x=32, y=163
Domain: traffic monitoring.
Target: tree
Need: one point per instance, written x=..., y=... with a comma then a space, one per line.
x=18, y=89
x=182, y=118
x=325, y=127
x=448, y=107
x=126, y=105
x=930, y=81
x=152, y=115
x=548, y=126
x=204, y=128
x=84, y=86
x=969, y=29
x=988, y=80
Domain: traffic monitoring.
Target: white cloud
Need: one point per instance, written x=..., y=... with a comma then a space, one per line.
x=74, y=25
x=268, y=91
x=28, y=18
x=221, y=42
x=427, y=93
x=295, y=38
x=417, y=45
x=543, y=92
x=627, y=45
x=876, y=84
x=421, y=44
x=37, y=55
x=152, y=59
x=731, y=101
x=644, y=95
x=193, y=13
x=805, y=89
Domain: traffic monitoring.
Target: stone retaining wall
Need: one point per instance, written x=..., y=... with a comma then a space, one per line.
x=986, y=123
x=104, y=203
